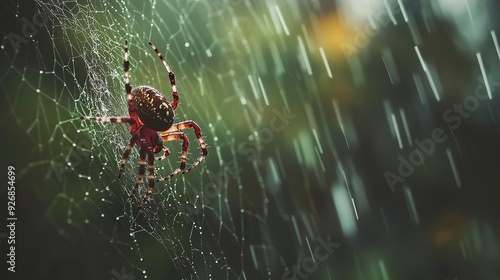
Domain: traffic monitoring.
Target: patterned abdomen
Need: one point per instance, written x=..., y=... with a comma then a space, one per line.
x=153, y=108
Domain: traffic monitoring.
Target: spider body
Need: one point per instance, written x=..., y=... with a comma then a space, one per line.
x=151, y=119
x=152, y=108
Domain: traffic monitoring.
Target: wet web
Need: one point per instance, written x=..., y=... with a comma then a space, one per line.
x=296, y=155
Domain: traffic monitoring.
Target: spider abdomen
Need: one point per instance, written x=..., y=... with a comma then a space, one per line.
x=152, y=108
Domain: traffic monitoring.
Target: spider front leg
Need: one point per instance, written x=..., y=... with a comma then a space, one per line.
x=171, y=77
x=188, y=124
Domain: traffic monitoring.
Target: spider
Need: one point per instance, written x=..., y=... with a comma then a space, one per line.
x=151, y=119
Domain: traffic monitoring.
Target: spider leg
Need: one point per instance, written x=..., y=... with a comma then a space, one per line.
x=167, y=153
x=171, y=77
x=142, y=167
x=128, y=88
x=127, y=153
x=151, y=160
x=185, y=145
x=188, y=124
x=109, y=119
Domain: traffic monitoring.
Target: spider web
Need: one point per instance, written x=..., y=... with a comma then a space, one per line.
x=299, y=137
x=196, y=222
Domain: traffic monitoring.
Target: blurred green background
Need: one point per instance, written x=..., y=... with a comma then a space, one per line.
x=311, y=102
